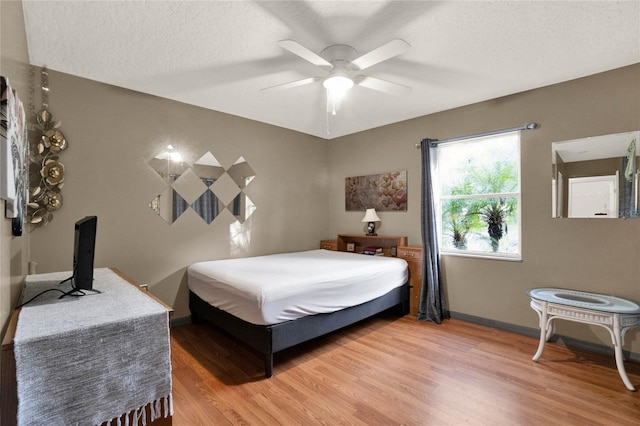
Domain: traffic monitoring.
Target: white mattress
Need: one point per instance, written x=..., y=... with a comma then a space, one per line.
x=281, y=287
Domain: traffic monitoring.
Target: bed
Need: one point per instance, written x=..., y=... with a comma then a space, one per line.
x=277, y=301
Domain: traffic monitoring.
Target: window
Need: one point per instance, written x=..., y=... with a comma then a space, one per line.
x=478, y=188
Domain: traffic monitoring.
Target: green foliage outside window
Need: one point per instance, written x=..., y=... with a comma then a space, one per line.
x=479, y=189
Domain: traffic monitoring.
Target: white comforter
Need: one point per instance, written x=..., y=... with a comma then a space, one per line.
x=281, y=287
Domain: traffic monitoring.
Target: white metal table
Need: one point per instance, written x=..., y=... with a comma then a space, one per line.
x=616, y=314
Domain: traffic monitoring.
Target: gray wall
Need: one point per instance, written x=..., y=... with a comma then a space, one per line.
x=113, y=133
x=14, y=58
x=588, y=254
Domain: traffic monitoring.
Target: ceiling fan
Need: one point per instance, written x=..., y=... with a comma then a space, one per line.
x=341, y=62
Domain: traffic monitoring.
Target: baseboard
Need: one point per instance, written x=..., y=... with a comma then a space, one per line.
x=567, y=341
x=181, y=321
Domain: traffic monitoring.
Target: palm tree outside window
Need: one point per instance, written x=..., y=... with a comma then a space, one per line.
x=479, y=196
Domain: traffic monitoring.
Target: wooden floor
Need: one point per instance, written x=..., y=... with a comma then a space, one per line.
x=392, y=371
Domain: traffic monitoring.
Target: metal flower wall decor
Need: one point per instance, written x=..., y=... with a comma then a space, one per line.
x=47, y=172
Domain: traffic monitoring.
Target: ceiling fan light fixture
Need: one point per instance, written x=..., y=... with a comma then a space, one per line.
x=338, y=82
x=340, y=61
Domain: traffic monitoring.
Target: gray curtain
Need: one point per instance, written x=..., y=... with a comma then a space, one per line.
x=179, y=205
x=432, y=305
x=207, y=204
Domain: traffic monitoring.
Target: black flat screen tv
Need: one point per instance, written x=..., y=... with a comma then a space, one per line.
x=83, y=253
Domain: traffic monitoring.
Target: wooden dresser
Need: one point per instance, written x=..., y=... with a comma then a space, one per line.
x=8, y=383
x=391, y=246
x=413, y=256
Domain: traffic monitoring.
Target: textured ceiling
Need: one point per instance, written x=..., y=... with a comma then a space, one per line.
x=220, y=54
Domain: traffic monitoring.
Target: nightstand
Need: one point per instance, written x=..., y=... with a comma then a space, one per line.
x=413, y=256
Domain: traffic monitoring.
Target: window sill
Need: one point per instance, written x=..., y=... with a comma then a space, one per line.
x=488, y=256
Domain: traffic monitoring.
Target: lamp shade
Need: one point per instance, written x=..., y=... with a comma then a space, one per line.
x=371, y=216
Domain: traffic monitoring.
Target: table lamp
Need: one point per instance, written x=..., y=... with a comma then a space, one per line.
x=371, y=217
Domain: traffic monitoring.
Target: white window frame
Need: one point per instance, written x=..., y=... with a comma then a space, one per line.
x=517, y=195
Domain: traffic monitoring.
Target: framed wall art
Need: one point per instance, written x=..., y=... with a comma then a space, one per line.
x=383, y=192
x=13, y=156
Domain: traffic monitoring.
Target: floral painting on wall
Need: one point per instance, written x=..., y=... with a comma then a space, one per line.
x=383, y=192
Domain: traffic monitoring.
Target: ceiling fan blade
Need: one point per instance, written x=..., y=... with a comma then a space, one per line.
x=306, y=54
x=382, y=85
x=292, y=84
x=382, y=53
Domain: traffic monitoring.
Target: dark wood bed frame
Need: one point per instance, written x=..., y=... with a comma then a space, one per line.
x=268, y=339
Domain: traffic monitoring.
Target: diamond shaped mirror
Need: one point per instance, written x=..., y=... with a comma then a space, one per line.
x=169, y=205
x=241, y=173
x=208, y=170
x=242, y=207
x=168, y=164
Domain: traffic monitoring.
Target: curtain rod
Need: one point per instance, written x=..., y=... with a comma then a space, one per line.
x=434, y=142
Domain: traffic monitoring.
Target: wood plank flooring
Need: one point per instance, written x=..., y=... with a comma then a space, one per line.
x=393, y=371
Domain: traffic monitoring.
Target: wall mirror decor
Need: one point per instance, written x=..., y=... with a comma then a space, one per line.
x=206, y=170
x=205, y=187
x=596, y=177
x=242, y=174
x=169, y=204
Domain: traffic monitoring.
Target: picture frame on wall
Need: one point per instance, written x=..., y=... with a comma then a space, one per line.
x=383, y=192
x=13, y=156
